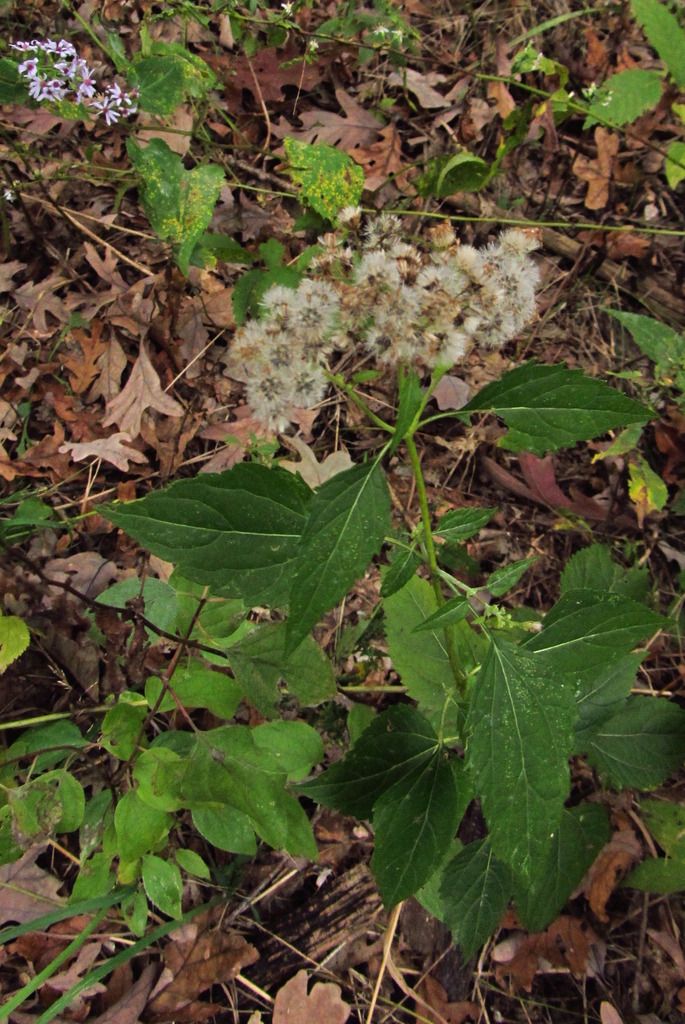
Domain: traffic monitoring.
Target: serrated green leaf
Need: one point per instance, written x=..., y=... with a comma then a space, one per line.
x=665, y=33
x=403, y=566
x=160, y=83
x=349, y=517
x=178, y=203
x=193, y=863
x=410, y=395
x=42, y=807
x=238, y=530
x=624, y=97
x=421, y=658
x=506, y=577
x=159, y=774
x=329, y=178
x=462, y=523
x=602, y=690
x=659, y=342
x=396, y=744
x=590, y=629
x=414, y=822
x=14, y=639
x=640, y=745
x=593, y=568
x=163, y=885
x=520, y=738
x=552, y=407
x=139, y=828
x=475, y=891
x=674, y=166
x=661, y=875
x=582, y=833
x=212, y=247
x=226, y=828
x=454, y=610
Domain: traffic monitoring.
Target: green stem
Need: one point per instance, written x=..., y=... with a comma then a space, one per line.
x=360, y=403
x=432, y=557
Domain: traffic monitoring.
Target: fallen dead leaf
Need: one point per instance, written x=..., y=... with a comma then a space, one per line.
x=566, y=943
x=323, y=1004
x=380, y=159
x=27, y=891
x=421, y=85
x=113, y=449
x=435, y=996
x=598, y=172
x=129, y=1007
x=310, y=469
x=357, y=128
x=451, y=393
x=617, y=857
x=83, y=366
x=198, y=957
x=142, y=391
x=608, y=1015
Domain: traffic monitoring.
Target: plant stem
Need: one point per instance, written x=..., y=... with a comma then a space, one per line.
x=360, y=403
x=431, y=554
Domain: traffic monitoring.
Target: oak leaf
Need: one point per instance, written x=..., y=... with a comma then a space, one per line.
x=142, y=391
x=111, y=449
x=324, y=1003
x=380, y=159
x=110, y=365
x=598, y=173
x=357, y=128
x=83, y=367
x=310, y=469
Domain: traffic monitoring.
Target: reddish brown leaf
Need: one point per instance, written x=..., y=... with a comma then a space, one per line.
x=445, y=1012
x=273, y=70
x=27, y=891
x=358, y=128
x=613, y=862
x=323, y=1004
x=129, y=1007
x=566, y=943
x=380, y=159
x=598, y=172
x=83, y=366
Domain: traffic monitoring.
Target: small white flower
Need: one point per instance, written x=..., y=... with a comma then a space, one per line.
x=9, y=195
x=287, y=7
x=313, y=45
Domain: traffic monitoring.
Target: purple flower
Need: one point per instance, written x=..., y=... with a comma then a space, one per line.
x=29, y=68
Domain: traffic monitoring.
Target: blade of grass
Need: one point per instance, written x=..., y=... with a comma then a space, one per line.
x=39, y=924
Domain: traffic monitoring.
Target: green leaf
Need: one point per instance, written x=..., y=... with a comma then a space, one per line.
x=259, y=661
x=139, y=828
x=249, y=290
x=178, y=203
x=163, y=885
x=54, y=734
x=359, y=718
x=503, y=579
x=475, y=891
x=238, y=530
x=601, y=690
x=521, y=736
x=659, y=342
x=197, y=687
x=624, y=97
x=290, y=747
x=50, y=804
x=13, y=88
x=349, y=517
x=445, y=175
x=640, y=745
x=454, y=610
x=582, y=833
x=411, y=396
x=159, y=599
x=121, y=728
x=193, y=863
x=551, y=407
x=590, y=629
x=397, y=743
x=674, y=166
x=211, y=248
x=414, y=822
x=403, y=566
x=168, y=75
x=14, y=639
x=329, y=179
x=462, y=523
x=226, y=828
x=593, y=568
x=94, y=879
x=664, y=33
x=159, y=774
x=421, y=658
x=666, y=822
x=661, y=875
x=645, y=487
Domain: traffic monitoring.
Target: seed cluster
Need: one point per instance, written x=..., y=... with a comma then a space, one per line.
x=399, y=303
x=55, y=72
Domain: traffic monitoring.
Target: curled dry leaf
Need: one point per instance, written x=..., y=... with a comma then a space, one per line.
x=142, y=391
x=112, y=449
x=566, y=943
x=613, y=862
x=598, y=173
x=294, y=1005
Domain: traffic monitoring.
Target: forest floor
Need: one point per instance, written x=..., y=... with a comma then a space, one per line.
x=88, y=293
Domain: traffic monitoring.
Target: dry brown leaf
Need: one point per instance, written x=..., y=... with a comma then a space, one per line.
x=83, y=367
x=421, y=85
x=110, y=365
x=142, y=391
x=451, y=393
x=357, y=128
x=177, y=134
x=273, y=69
x=435, y=996
x=26, y=891
x=310, y=469
x=617, y=857
x=7, y=272
x=198, y=957
x=598, y=173
x=86, y=571
x=380, y=159
x=38, y=299
x=566, y=943
x=608, y=1015
x=625, y=244
x=323, y=1004
x=113, y=449
x=129, y=1007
